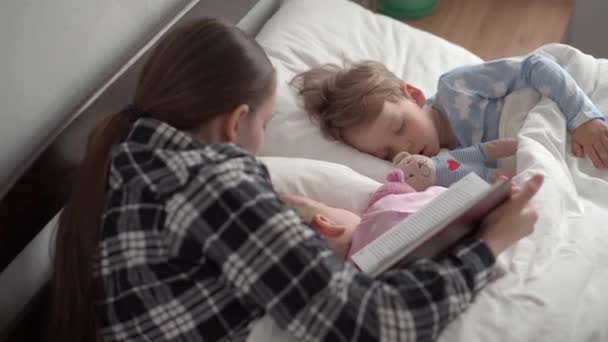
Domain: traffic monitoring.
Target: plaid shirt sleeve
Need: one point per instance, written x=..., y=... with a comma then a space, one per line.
x=273, y=259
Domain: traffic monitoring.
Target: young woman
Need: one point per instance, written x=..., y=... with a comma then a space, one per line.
x=173, y=230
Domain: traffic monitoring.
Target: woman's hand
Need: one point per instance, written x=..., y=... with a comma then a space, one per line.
x=514, y=219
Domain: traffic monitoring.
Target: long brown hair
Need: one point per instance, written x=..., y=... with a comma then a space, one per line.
x=196, y=72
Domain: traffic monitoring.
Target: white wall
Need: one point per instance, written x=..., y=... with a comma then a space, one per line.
x=54, y=54
x=589, y=27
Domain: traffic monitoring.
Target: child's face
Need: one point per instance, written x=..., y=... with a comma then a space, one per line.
x=334, y=224
x=406, y=125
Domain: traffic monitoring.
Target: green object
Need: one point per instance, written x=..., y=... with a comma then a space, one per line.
x=413, y=9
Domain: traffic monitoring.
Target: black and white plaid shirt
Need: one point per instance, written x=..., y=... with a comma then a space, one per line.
x=195, y=246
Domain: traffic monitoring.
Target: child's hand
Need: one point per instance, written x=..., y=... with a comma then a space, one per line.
x=500, y=148
x=591, y=139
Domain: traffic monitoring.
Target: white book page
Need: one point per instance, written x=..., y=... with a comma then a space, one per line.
x=397, y=242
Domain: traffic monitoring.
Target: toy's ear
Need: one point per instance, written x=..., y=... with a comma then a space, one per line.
x=396, y=175
x=400, y=156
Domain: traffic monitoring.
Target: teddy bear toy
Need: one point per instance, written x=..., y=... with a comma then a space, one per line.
x=449, y=166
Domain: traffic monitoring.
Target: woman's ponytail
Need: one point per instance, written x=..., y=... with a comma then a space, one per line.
x=73, y=289
x=200, y=70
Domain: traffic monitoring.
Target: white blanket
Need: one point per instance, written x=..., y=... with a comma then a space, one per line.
x=554, y=288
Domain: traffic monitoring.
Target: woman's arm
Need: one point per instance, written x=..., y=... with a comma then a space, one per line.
x=273, y=259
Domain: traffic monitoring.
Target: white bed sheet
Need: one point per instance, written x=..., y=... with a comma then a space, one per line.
x=556, y=281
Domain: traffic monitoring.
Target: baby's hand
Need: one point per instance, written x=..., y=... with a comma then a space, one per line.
x=591, y=139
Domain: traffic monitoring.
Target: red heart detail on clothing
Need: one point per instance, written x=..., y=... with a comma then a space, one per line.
x=453, y=164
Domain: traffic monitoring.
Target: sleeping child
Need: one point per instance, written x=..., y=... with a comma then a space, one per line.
x=368, y=107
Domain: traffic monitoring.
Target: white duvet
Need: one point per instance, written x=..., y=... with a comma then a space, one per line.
x=556, y=284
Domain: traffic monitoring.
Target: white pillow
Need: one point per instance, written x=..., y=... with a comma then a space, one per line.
x=333, y=184
x=305, y=33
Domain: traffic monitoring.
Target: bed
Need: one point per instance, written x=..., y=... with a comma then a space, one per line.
x=553, y=288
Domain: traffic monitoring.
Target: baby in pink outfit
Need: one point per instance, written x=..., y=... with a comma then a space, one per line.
x=390, y=204
x=345, y=231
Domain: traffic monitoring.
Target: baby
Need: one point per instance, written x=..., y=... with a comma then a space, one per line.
x=345, y=231
x=370, y=108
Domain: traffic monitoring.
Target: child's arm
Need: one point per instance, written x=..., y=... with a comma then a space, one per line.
x=500, y=148
x=454, y=165
x=496, y=79
x=446, y=168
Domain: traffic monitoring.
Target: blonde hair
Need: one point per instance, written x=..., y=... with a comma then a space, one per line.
x=338, y=98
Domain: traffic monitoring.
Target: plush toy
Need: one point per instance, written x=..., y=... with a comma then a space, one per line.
x=395, y=184
x=448, y=167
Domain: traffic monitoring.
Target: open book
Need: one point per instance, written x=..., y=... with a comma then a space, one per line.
x=453, y=215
